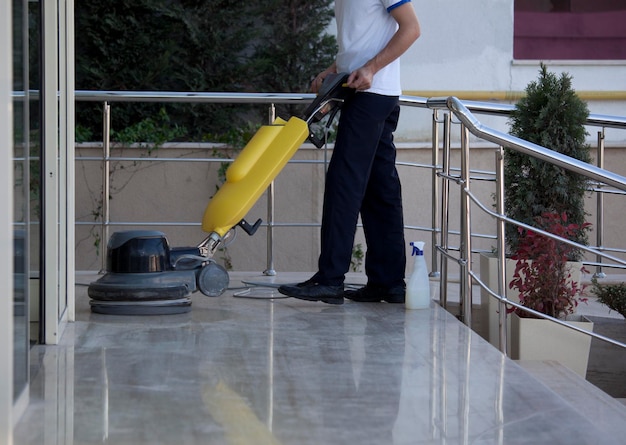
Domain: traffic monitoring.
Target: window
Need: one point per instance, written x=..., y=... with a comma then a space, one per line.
x=570, y=29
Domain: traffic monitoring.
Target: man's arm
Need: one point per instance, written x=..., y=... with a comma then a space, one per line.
x=407, y=33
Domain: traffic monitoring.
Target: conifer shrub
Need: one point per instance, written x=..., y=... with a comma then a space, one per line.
x=553, y=116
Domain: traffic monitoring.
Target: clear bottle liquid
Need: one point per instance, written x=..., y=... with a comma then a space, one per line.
x=418, y=287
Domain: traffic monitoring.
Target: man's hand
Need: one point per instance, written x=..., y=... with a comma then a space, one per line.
x=319, y=79
x=361, y=79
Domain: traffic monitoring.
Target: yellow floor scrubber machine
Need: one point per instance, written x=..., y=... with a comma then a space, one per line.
x=144, y=276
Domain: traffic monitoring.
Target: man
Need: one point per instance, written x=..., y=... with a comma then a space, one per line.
x=362, y=177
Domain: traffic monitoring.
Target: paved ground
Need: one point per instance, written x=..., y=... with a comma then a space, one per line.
x=607, y=363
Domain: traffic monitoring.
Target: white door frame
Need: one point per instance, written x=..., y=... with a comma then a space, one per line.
x=6, y=225
x=58, y=161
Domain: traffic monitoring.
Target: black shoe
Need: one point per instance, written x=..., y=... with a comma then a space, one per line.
x=313, y=291
x=376, y=294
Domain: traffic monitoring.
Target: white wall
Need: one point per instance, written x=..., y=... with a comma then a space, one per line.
x=467, y=45
x=6, y=231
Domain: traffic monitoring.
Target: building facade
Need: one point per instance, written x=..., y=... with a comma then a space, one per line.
x=480, y=49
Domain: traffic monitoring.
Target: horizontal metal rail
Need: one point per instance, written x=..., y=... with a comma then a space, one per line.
x=497, y=137
x=477, y=107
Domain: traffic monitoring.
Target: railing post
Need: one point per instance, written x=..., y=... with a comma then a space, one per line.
x=106, y=182
x=501, y=250
x=600, y=208
x=465, y=260
x=445, y=210
x=269, y=271
x=434, y=272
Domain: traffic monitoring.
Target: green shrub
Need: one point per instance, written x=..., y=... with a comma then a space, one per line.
x=612, y=295
x=553, y=116
x=199, y=46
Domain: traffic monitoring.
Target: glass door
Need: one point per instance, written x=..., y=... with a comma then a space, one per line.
x=34, y=162
x=21, y=199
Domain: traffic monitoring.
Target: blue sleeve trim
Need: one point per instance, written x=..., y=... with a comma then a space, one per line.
x=395, y=5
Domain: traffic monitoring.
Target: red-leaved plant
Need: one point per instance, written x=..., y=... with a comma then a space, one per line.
x=542, y=275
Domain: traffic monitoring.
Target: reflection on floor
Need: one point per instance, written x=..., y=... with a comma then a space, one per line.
x=252, y=369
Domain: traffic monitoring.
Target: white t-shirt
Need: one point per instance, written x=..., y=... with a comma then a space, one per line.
x=364, y=27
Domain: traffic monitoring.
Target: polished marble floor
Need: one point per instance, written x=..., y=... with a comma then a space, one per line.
x=253, y=369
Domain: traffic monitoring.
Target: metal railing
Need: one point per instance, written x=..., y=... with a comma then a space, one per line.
x=469, y=124
x=270, y=99
x=443, y=175
x=106, y=97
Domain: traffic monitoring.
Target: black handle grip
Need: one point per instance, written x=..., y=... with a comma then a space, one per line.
x=250, y=229
x=318, y=142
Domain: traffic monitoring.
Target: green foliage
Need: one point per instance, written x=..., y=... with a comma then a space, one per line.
x=357, y=258
x=293, y=46
x=553, y=116
x=151, y=132
x=83, y=134
x=195, y=45
x=162, y=45
x=612, y=295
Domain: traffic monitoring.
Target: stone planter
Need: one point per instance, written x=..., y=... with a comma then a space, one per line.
x=538, y=339
x=490, y=313
x=490, y=305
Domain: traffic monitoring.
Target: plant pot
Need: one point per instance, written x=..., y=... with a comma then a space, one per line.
x=490, y=305
x=490, y=308
x=538, y=339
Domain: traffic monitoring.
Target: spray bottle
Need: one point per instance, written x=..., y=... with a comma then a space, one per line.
x=418, y=287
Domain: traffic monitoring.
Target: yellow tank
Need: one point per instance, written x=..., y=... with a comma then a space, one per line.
x=251, y=173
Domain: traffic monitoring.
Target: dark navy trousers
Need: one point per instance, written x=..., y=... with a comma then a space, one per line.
x=362, y=178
